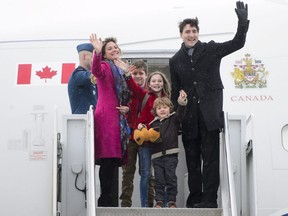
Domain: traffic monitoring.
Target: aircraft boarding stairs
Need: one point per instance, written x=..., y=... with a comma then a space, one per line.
x=74, y=193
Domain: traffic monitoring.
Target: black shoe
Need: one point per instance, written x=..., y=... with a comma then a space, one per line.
x=211, y=205
x=205, y=205
x=199, y=205
x=190, y=206
x=150, y=205
x=193, y=205
x=105, y=201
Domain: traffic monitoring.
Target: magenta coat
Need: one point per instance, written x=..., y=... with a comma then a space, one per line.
x=106, y=116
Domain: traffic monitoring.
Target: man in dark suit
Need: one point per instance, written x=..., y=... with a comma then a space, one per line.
x=195, y=69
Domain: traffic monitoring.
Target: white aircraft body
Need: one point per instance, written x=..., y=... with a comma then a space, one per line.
x=38, y=52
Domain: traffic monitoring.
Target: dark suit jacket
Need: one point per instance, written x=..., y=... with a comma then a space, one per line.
x=200, y=78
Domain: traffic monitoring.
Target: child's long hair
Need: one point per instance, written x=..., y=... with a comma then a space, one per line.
x=166, y=85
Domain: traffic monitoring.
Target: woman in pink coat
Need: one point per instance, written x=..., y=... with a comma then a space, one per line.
x=111, y=128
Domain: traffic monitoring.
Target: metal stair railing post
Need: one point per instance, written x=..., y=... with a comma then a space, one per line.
x=228, y=195
x=54, y=164
x=90, y=176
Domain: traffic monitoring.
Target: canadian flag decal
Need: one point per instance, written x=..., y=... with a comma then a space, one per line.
x=44, y=73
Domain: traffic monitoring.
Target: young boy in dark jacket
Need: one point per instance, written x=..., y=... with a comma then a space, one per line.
x=165, y=149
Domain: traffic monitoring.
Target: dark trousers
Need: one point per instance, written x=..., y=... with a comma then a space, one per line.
x=165, y=177
x=108, y=175
x=128, y=173
x=202, y=159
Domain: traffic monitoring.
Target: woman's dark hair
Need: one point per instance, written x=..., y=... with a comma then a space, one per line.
x=105, y=42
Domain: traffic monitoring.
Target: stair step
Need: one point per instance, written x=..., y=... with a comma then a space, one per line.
x=105, y=211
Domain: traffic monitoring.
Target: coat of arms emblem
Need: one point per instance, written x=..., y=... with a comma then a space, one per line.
x=249, y=73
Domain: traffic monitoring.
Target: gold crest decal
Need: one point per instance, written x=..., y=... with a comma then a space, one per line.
x=249, y=73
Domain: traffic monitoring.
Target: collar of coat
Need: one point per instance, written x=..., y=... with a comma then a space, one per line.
x=198, y=49
x=157, y=118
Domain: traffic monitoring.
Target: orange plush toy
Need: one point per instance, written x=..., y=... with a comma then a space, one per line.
x=142, y=135
x=154, y=134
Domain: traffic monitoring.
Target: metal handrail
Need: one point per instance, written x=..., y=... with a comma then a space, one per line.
x=90, y=175
x=229, y=204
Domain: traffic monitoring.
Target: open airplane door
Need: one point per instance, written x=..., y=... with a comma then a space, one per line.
x=74, y=190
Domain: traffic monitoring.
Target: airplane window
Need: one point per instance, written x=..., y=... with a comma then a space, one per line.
x=285, y=137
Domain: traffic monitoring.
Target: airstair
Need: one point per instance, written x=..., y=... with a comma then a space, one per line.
x=100, y=211
x=75, y=191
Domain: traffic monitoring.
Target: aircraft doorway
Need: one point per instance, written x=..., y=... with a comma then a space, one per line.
x=155, y=64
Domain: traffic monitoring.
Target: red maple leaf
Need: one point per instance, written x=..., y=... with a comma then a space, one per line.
x=46, y=73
